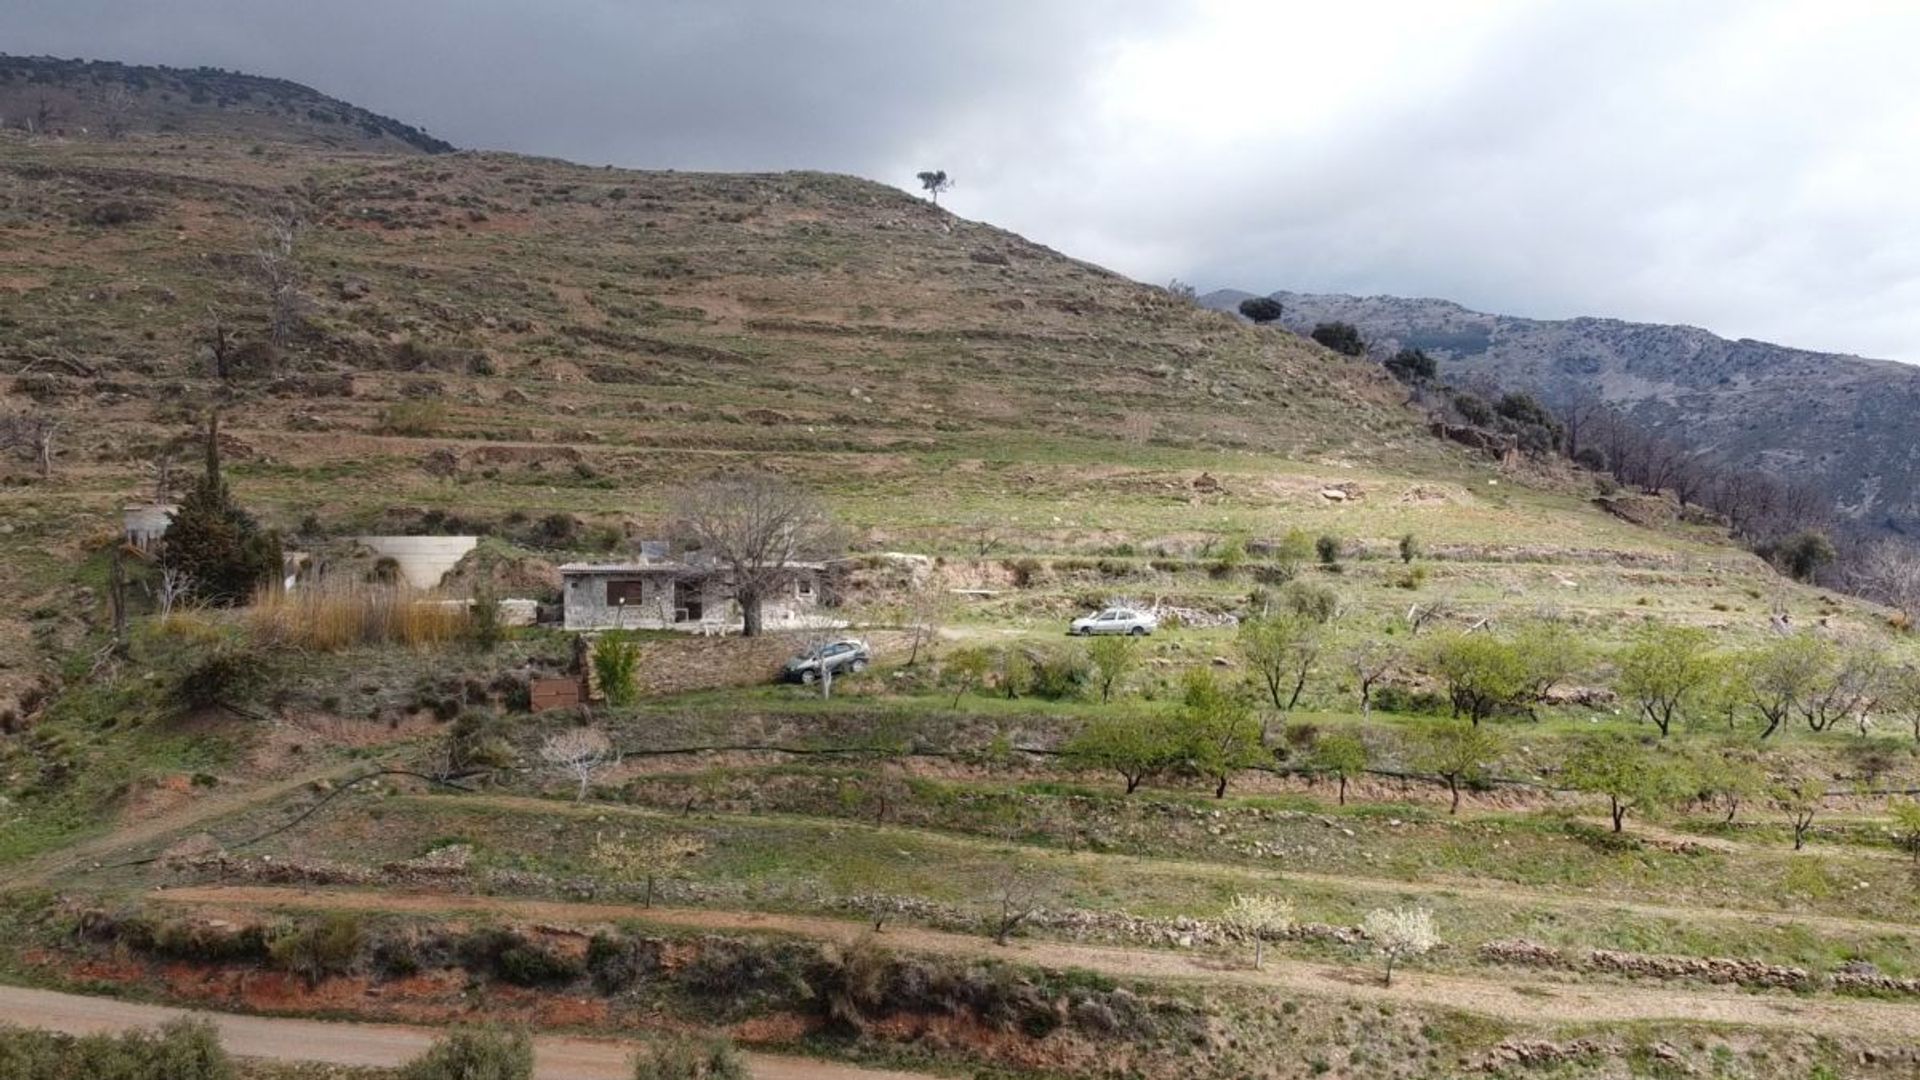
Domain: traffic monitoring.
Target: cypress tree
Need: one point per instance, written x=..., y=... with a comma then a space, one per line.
x=217, y=544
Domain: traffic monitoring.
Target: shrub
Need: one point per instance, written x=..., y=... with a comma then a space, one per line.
x=1261, y=309
x=1473, y=410
x=1059, y=674
x=475, y=1054
x=1328, y=549
x=1409, y=548
x=1411, y=366
x=319, y=949
x=512, y=958
x=224, y=676
x=1343, y=338
x=616, y=659
x=689, y=1059
x=413, y=418
x=180, y=1050
x=484, y=628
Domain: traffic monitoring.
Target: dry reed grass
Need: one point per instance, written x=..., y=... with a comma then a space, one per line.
x=327, y=616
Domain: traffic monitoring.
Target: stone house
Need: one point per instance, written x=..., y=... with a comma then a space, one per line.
x=669, y=594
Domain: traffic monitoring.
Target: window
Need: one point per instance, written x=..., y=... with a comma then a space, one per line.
x=626, y=591
x=803, y=587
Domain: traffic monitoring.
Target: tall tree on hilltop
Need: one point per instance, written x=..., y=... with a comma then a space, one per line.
x=215, y=543
x=933, y=182
x=1261, y=309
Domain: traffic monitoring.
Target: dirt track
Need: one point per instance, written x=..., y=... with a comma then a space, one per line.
x=371, y=1045
x=1510, y=997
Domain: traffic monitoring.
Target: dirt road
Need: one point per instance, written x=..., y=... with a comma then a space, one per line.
x=371, y=1045
x=1508, y=996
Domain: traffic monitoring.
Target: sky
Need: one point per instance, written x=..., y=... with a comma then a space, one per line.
x=1750, y=166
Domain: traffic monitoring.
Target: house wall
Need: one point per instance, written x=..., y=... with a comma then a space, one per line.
x=585, y=598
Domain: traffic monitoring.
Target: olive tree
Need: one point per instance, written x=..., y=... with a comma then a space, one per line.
x=759, y=528
x=933, y=182
x=1261, y=310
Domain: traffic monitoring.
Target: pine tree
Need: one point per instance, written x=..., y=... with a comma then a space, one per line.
x=215, y=542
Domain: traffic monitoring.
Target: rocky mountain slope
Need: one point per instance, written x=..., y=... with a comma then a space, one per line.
x=86, y=97
x=1848, y=424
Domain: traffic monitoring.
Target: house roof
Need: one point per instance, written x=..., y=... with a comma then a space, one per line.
x=661, y=566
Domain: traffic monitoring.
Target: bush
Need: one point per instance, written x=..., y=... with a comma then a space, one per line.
x=1261, y=309
x=689, y=1059
x=475, y=1054
x=1059, y=674
x=1473, y=410
x=1328, y=549
x=222, y=677
x=1343, y=338
x=616, y=659
x=180, y=1050
x=319, y=949
x=413, y=418
x=199, y=940
x=1412, y=365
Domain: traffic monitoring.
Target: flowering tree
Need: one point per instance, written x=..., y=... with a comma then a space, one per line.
x=1400, y=933
x=1257, y=917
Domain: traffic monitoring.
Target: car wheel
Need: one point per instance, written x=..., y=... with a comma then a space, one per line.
x=858, y=666
x=809, y=676
x=1138, y=631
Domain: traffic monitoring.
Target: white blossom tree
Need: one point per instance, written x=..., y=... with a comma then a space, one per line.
x=1400, y=934
x=579, y=753
x=1258, y=917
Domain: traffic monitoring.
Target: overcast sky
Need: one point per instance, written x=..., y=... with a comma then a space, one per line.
x=1751, y=167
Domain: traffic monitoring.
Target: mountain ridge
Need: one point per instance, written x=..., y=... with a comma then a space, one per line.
x=1850, y=424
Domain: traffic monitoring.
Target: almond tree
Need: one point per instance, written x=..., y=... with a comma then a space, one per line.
x=1801, y=798
x=1258, y=917
x=1398, y=934
x=1113, y=657
x=1667, y=671
x=579, y=753
x=1458, y=752
x=1343, y=754
x=1627, y=773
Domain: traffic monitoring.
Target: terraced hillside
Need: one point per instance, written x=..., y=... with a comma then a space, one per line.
x=928, y=869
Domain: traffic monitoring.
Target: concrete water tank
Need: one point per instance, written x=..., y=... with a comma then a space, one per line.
x=423, y=560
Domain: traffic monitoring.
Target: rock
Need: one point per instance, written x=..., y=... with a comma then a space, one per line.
x=351, y=288
x=1333, y=494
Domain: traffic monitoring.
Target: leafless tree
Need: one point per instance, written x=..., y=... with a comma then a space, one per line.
x=116, y=109
x=175, y=586
x=162, y=466
x=921, y=615
x=982, y=535
x=32, y=436
x=758, y=527
x=42, y=118
x=220, y=347
x=1371, y=659
x=278, y=264
x=1016, y=897
x=1888, y=571
x=580, y=753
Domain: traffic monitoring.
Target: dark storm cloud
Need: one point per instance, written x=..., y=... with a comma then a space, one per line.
x=1746, y=165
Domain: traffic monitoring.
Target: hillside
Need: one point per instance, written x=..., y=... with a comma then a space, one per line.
x=1844, y=423
x=935, y=864
x=103, y=98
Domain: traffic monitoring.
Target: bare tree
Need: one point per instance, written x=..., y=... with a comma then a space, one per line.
x=759, y=528
x=116, y=108
x=922, y=614
x=277, y=262
x=220, y=347
x=1889, y=571
x=31, y=435
x=580, y=753
x=174, y=588
x=162, y=465
x=1016, y=898
x=1372, y=659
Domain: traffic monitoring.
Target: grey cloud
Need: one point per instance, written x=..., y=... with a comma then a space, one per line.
x=1749, y=167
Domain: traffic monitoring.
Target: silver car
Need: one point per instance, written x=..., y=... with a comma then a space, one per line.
x=1116, y=620
x=838, y=657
